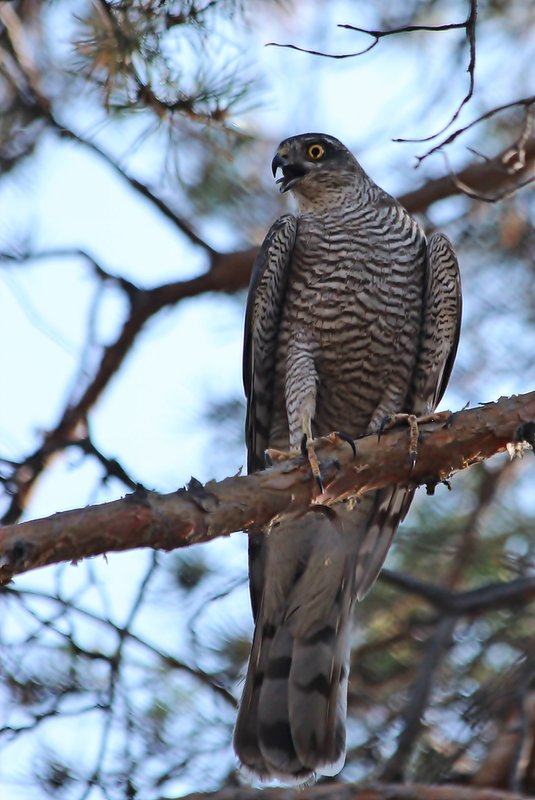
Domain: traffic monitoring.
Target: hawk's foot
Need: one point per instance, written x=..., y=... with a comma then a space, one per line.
x=307, y=450
x=413, y=422
x=271, y=456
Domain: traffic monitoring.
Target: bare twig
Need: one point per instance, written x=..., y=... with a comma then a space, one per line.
x=339, y=56
x=515, y=157
x=470, y=26
x=485, y=198
x=376, y=34
x=111, y=465
x=524, y=101
x=490, y=178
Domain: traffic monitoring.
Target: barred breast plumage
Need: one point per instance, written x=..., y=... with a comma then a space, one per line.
x=351, y=317
x=354, y=294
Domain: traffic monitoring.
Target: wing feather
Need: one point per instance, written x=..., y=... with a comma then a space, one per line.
x=441, y=326
x=264, y=308
x=262, y=319
x=439, y=338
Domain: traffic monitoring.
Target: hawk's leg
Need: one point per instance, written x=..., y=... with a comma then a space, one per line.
x=307, y=449
x=301, y=391
x=413, y=422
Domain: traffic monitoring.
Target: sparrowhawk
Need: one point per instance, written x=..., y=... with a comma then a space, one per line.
x=352, y=316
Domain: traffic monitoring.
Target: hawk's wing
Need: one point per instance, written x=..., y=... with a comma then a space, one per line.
x=441, y=326
x=262, y=319
x=439, y=337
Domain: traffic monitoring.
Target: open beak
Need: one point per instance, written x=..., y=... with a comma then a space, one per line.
x=291, y=172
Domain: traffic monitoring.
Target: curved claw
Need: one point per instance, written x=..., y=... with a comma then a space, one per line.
x=412, y=459
x=267, y=460
x=304, y=449
x=383, y=426
x=345, y=437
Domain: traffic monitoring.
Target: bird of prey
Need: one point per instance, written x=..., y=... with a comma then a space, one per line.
x=352, y=316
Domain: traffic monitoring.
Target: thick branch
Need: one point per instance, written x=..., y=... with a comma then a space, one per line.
x=345, y=791
x=200, y=513
x=486, y=597
x=492, y=176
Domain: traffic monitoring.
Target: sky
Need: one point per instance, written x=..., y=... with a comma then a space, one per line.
x=152, y=416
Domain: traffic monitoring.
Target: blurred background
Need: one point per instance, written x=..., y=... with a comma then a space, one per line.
x=135, y=185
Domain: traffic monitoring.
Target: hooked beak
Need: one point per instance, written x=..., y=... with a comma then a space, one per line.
x=277, y=163
x=291, y=173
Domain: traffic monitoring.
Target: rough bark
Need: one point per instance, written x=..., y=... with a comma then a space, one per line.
x=200, y=513
x=344, y=791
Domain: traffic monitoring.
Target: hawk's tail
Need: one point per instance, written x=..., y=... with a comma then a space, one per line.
x=306, y=575
x=291, y=722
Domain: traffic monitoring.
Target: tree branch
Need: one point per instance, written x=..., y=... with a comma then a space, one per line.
x=492, y=176
x=470, y=27
x=370, y=791
x=377, y=35
x=200, y=513
x=486, y=597
x=524, y=102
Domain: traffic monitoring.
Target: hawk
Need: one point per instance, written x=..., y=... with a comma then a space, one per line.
x=352, y=316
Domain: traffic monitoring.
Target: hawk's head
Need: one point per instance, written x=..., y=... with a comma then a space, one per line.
x=313, y=159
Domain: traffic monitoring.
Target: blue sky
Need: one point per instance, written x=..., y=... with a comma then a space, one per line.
x=152, y=414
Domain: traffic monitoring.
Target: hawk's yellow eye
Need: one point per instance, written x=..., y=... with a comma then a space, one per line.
x=315, y=151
